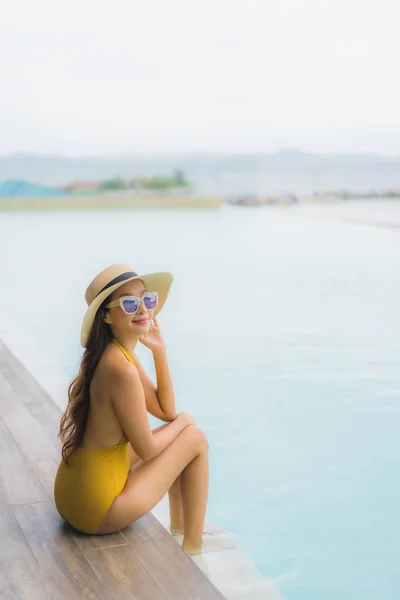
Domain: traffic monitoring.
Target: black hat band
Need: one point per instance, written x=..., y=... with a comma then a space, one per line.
x=118, y=279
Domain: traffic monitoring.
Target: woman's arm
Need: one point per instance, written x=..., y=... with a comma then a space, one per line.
x=129, y=403
x=160, y=400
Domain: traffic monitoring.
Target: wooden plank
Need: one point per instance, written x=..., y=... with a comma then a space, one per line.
x=20, y=574
x=13, y=542
x=67, y=571
x=45, y=470
x=7, y=396
x=43, y=455
x=35, y=398
x=32, y=439
x=30, y=436
x=145, y=529
x=93, y=542
x=18, y=483
x=124, y=576
x=175, y=571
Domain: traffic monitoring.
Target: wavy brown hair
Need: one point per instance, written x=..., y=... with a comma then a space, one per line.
x=73, y=421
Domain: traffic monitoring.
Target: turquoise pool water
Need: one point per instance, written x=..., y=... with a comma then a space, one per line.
x=283, y=338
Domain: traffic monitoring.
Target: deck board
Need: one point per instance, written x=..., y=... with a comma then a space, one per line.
x=18, y=483
x=41, y=557
x=41, y=452
x=19, y=420
x=28, y=390
x=20, y=574
x=146, y=529
x=173, y=571
x=124, y=576
x=60, y=559
x=95, y=542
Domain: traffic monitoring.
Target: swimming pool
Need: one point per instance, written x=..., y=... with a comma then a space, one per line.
x=283, y=340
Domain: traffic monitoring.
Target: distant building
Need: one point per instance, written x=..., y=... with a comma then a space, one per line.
x=23, y=189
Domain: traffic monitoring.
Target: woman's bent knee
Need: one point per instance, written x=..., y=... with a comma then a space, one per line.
x=196, y=436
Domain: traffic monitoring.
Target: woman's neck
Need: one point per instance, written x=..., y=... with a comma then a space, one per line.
x=128, y=342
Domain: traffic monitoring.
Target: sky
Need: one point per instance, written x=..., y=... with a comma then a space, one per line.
x=90, y=77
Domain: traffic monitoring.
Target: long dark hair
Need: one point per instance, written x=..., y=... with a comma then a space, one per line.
x=73, y=421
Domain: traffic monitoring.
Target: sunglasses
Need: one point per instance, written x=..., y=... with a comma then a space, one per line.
x=130, y=304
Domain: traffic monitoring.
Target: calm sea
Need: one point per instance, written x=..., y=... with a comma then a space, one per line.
x=283, y=333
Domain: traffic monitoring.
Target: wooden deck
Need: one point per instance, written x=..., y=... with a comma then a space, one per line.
x=40, y=557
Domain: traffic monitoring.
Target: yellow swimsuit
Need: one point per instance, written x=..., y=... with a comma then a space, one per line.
x=84, y=492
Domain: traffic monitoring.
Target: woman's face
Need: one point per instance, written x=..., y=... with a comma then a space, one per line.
x=123, y=323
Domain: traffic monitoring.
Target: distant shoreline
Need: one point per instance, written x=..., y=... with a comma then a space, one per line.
x=109, y=201
x=272, y=174
x=294, y=199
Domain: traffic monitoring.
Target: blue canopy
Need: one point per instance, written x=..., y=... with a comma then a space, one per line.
x=24, y=189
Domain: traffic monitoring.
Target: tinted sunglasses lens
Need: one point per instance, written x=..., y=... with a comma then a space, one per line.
x=130, y=305
x=150, y=301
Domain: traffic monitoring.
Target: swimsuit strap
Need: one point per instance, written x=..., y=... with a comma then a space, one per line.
x=128, y=354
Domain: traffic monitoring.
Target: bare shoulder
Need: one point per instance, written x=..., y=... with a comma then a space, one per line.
x=116, y=369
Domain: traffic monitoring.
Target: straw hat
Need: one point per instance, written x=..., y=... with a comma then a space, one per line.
x=112, y=278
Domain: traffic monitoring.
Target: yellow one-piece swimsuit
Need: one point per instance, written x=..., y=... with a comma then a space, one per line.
x=84, y=491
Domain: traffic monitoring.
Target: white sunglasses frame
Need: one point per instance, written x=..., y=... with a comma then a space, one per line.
x=119, y=302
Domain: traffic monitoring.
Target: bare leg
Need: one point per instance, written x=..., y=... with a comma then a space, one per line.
x=194, y=490
x=150, y=480
x=174, y=492
x=175, y=507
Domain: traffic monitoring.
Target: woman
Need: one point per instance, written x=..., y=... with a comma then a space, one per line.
x=114, y=469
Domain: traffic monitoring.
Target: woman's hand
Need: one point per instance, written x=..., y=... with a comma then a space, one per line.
x=153, y=339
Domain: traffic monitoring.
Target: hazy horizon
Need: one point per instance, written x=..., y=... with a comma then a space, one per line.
x=197, y=153
x=293, y=172
x=225, y=76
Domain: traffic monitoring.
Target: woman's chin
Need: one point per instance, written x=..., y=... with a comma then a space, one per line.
x=145, y=326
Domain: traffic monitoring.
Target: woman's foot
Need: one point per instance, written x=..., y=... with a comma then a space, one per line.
x=209, y=529
x=202, y=545
x=176, y=528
